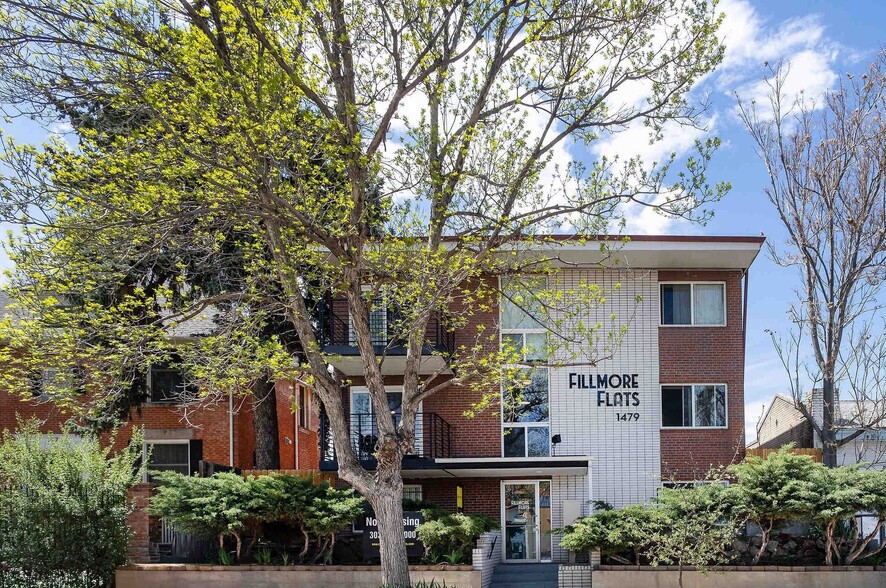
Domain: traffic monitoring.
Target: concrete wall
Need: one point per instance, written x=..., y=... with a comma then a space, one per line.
x=205, y=576
x=739, y=579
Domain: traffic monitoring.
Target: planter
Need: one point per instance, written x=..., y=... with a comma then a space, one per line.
x=740, y=576
x=213, y=576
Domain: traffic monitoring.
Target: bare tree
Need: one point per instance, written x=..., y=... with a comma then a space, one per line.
x=826, y=164
x=273, y=123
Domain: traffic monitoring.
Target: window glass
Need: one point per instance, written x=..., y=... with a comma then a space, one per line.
x=515, y=442
x=709, y=304
x=378, y=324
x=672, y=406
x=520, y=305
x=526, y=399
x=168, y=384
x=693, y=406
x=412, y=492
x=169, y=457
x=676, y=304
x=710, y=406
x=538, y=442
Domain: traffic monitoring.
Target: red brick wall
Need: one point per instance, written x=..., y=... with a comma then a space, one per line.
x=139, y=523
x=704, y=355
x=482, y=496
x=306, y=440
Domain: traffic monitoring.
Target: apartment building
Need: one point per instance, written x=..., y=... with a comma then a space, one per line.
x=663, y=408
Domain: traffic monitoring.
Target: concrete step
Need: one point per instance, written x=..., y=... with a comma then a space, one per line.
x=525, y=575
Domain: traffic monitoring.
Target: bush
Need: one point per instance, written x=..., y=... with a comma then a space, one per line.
x=64, y=507
x=613, y=532
x=452, y=535
x=228, y=504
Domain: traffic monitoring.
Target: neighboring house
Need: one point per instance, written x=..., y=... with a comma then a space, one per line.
x=665, y=407
x=782, y=423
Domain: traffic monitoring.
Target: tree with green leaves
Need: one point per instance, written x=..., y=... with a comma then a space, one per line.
x=774, y=490
x=696, y=528
x=369, y=151
x=64, y=507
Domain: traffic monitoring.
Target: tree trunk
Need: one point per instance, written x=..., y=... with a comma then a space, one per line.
x=264, y=419
x=387, y=504
x=828, y=432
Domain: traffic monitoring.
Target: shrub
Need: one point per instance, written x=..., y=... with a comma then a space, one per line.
x=218, y=506
x=227, y=504
x=64, y=507
x=776, y=489
x=613, y=532
x=452, y=534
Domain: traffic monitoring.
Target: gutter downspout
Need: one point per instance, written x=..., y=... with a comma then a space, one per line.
x=295, y=421
x=744, y=314
x=231, y=427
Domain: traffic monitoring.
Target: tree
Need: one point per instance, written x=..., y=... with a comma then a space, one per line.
x=825, y=163
x=275, y=124
x=774, y=490
x=696, y=527
x=64, y=507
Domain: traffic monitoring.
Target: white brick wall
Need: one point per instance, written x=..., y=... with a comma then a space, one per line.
x=626, y=465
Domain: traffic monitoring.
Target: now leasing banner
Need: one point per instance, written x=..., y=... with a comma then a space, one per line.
x=411, y=520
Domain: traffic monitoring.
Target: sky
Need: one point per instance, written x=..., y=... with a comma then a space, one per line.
x=821, y=41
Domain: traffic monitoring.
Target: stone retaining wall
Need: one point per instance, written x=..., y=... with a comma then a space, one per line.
x=209, y=576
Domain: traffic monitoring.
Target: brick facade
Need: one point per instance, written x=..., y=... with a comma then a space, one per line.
x=709, y=355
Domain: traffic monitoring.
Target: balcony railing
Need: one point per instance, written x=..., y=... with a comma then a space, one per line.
x=433, y=438
x=337, y=336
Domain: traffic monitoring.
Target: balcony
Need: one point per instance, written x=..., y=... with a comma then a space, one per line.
x=338, y=342
x=433, y=440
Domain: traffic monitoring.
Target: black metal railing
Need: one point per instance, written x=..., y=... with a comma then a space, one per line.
x=433, y=437
x=335, y=329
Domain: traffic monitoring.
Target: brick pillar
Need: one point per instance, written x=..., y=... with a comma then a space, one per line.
x=138, y=522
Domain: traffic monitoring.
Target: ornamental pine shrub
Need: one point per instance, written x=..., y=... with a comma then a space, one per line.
x=451, y=534
x=230, y=505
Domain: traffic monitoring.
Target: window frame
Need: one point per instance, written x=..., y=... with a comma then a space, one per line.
x=303, y=418
x=527, y=365
x=146, y=442
x=149, y=380
x=692, y=284
x=661, y=388
x=383, y=299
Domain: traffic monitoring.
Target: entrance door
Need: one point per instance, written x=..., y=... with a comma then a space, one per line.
x=526, y=519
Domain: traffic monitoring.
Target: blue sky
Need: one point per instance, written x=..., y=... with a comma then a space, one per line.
x=822, y=41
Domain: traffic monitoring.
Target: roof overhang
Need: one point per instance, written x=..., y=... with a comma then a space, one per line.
x=657, y=252
x=502, y=467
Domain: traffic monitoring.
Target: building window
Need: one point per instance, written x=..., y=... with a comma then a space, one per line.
x=166, y=383
x=525, y=400
x=303, y=408
x=697, y=304
x=412, y=492
x=172, y=456
x=378, y=323
x=699, y=405
x=525, y=415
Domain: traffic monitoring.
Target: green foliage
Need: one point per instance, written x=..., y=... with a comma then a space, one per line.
x=226, y=504
x=224, y=557
x=776, y=489
x=452, y=535
x=613, y=531
x=696, y=527
x=64, y=505
x=263, y=556
x=218, y=506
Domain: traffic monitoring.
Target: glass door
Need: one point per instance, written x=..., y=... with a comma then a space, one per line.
x=526, y=518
